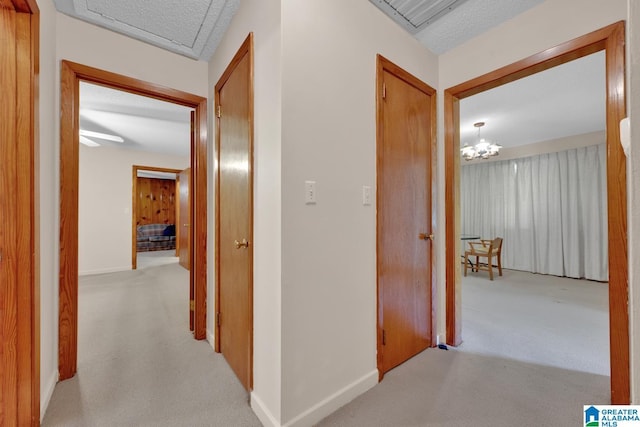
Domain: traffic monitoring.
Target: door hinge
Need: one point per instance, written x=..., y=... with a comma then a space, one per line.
x=384, y=91
x=218, y=318
x=219, y=111
x=192, y=305
x=384, y=338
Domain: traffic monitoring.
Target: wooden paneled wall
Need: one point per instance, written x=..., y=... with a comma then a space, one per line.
x=156, y=201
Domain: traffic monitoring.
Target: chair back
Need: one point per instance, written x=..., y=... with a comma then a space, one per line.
x=496, y=245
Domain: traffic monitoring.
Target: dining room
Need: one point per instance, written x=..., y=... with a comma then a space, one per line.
x=533, y=221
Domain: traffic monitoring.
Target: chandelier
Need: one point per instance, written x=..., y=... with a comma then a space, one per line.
x=482, y=149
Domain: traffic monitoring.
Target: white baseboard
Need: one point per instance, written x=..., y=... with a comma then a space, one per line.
x=262, y=412
x=47, y=392
x=211, y=339
x=319, y=411
x=334, y=402
x=103, y=270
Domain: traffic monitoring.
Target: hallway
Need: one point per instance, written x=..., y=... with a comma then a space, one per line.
x=138, y=364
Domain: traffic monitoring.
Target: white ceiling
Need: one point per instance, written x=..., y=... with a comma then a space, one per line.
x=145, y=124
x=441, y=25
x=191, y=28
x=563, y=101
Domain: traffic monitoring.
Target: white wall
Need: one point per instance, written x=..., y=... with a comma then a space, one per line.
x=544, y=26
x=314, y=266
x=262, y=17
x=91, y=45
x=633, y=177
x=105, y=203
x=328, y=249
x=66, y=38
x=48, y=204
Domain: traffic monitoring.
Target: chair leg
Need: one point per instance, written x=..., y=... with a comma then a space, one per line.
x=490, y=268
x=466, y=262
x=477, y=264
x=500, y=264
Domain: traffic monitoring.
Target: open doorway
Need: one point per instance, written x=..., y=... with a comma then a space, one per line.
x=72, y=75
x=544, y=195
x=119, y=131
x=611, y=40
x=156, y=216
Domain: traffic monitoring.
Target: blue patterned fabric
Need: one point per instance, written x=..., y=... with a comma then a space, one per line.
x=152, y=237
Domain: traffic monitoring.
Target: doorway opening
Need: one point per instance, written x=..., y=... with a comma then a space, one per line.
x=545, y=196
x=611, y=40
x=155, y=212
x=72, y=74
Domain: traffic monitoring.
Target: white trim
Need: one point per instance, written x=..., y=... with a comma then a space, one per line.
x=104, y=270
x=320, y=410
x=262, y=412
x=212, y=340
x=334, y=402
x=47, y=392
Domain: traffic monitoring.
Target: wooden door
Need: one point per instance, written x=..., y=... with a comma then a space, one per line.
x=234, y=218
x=183, y=234
x=406, y=121
x=184, y=218
x=19, y=236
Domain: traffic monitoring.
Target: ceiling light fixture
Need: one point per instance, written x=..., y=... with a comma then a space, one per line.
x=89, y=143
x=100, y=135
x=482, y=149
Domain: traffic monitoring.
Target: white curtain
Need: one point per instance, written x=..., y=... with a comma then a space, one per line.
x=550, y=209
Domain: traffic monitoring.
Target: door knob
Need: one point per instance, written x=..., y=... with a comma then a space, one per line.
x=424, y=236
x=243, y=244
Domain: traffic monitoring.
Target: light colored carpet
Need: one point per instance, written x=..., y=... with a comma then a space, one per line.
x=457, y=389
x=535, y=350
x=528, y=359
x=156, y=258
x=138, y=364
x=546, y=320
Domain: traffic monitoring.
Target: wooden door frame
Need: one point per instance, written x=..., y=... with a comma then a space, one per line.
x=179, y=216
x=134, y=208
x=20, y=240
x=382, y=65
x=245, y=49
x=611, y=39
x=71, y=75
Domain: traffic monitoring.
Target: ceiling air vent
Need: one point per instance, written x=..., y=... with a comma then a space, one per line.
x=191, y=28
x=415, y=15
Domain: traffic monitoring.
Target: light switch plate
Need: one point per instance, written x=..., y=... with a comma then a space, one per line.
x=366, y=195
x=310, y=192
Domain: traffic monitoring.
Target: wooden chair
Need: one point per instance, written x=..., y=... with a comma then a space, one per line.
x=484, y=249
